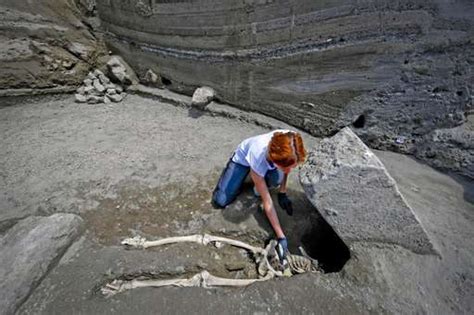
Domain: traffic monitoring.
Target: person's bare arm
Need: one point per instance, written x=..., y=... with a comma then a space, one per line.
x=270, y=212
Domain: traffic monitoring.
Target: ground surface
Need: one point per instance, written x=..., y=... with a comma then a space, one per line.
x=148, y=168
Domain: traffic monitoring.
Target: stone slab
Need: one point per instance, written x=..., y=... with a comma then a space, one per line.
x=353, y=191
x=28, y=251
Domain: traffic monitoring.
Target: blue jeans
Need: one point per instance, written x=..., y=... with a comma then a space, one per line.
x=231, y=180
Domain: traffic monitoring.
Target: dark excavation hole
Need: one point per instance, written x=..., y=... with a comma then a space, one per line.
x=359, y=122
x=165, y=81
x=323, y=244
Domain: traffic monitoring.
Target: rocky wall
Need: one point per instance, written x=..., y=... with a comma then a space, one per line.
x=398, y=70
x=44, y=46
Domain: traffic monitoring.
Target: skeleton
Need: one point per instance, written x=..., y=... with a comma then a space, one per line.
x=266, y=259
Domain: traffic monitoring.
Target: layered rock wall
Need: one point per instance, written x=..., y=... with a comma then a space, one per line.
x=400, y=69
x=44, y=46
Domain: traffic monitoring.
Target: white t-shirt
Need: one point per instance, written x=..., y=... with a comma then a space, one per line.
x=252, y=152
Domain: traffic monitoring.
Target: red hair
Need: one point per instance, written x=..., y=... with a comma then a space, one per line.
x=286, y=148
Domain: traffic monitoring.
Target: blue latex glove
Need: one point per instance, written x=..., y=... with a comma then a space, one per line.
x=285, y=203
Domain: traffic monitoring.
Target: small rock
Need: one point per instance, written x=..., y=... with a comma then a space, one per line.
x=98, y=73
x=80, y=50
x=111, y=91
x=88, y=82
x=110, y=86
x=47, y=58
x=104, y=79
x=179, y=269
x=80, y=98
x=203, y=96
x=400, y=140
x=307, y=123
x=98, y=86
x=308, y=104
x=90, y=76
x=40, y=47
x=116, y=97
x=119, y=89
x=88, y=89
x=107, y=100
x=94, y=99
x=80, y=90
x=151, y=77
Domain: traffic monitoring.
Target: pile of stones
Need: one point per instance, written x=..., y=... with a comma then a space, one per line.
x=97, y=88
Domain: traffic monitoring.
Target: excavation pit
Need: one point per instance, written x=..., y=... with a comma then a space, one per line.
x=323, y=244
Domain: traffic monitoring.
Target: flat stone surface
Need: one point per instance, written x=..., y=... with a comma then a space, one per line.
x=353, y=191
x=28, y=251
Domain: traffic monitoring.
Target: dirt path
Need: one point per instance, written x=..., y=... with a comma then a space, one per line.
x=148, y=168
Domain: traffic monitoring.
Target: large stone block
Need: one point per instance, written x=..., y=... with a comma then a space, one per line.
x=353, y=191
x=27, y=252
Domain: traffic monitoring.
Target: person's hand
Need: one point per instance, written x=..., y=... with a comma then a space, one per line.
x=285, y=203
x=282, y=248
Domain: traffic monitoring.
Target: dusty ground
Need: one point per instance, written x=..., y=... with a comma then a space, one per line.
x=148, y=168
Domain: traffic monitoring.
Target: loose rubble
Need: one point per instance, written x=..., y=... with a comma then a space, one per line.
x=97, y=88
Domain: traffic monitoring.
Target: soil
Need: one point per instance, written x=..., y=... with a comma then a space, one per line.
x=142, y=167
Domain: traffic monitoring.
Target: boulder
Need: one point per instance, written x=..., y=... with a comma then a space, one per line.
x=203, y=96
x=353, y=191
x=29, y=250
x=120, y=72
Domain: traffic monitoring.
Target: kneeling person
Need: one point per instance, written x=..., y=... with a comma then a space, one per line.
x=269, y=158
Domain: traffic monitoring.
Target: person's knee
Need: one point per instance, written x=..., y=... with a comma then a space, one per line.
x=220, y=199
